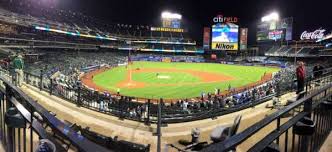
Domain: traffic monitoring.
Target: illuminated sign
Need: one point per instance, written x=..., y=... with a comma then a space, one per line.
x=223, y=19
x=73, y=34
x=224, y=46
x=171, y=23
x=225, y=36
x=165, y=29
x=318, y=34
x=206, y=38
x=275, y=35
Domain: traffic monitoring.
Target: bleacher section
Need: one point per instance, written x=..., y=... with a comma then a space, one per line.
x=23, y=26
x=296, y=50
x=173, y=58
x=327, y=52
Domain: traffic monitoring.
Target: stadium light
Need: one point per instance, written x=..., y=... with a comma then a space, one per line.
x=169, y=15
x=274, y=16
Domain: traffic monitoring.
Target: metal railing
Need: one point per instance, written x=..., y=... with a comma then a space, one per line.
x=308, y=123
x=23, y=122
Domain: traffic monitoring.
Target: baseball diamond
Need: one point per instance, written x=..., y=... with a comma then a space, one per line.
x=165, y=76
x=184, y=80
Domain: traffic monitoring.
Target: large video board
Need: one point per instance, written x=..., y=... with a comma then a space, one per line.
x=275, y=30
x=225, y=36
x=171, y=23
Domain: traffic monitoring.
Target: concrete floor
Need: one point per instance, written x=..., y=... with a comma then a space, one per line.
x=327, y=146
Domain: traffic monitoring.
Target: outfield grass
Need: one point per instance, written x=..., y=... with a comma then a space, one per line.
x=174, y=85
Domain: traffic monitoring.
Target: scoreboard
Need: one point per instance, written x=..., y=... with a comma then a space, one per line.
x=171, y=23
x=275, y=30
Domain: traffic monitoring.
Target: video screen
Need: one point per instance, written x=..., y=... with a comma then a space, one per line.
x=225, y=33
x=171, y=23
x=225, y=36
x=277, y=30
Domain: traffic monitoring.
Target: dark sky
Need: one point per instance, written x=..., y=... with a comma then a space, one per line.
x=308, y=14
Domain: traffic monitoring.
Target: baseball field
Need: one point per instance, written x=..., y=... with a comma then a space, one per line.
x=173, y=80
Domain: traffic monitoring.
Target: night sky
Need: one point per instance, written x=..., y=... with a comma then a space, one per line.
x=307, y=14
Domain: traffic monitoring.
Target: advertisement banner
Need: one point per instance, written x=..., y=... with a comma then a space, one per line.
x=243, y=38
x=224, y=46
x=314, y=35
x=166, y=59
x=225, y=36
x=165, y=29
x=206, y=38
x=275, y=35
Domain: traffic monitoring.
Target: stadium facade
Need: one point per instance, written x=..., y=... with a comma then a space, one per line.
x=63, y=48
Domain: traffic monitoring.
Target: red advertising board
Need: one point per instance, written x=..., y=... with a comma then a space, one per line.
x=206, y=38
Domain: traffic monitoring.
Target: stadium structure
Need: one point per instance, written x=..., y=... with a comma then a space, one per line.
x=93, y=86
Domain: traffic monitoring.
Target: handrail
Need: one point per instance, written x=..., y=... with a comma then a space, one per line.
x=76, y=139
x=239, y=138
x=37, y=126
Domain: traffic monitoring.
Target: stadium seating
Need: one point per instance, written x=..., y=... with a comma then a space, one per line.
x=303, y=50
x=66, y=61
x=71, y=27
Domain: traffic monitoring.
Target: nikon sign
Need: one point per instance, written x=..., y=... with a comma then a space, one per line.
x=224, y=46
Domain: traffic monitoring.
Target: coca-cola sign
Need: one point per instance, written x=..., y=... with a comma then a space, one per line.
x=318, y=34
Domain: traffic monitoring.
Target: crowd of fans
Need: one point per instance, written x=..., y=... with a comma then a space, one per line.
x=69, y=62
x=164, y=57
x=298, y=50
x=79, y=23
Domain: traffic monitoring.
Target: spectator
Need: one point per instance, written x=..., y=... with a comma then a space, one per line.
x=318, y=71
x=18, y=68
x=300, y=74
x=195, y=132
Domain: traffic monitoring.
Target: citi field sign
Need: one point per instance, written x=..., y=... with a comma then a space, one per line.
x=224, y=19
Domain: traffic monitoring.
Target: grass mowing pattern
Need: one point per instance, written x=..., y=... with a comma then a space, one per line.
x=192, y=88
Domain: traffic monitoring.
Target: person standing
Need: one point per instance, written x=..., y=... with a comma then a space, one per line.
x=300, y=74
x=18, y=69
x=318, y=71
